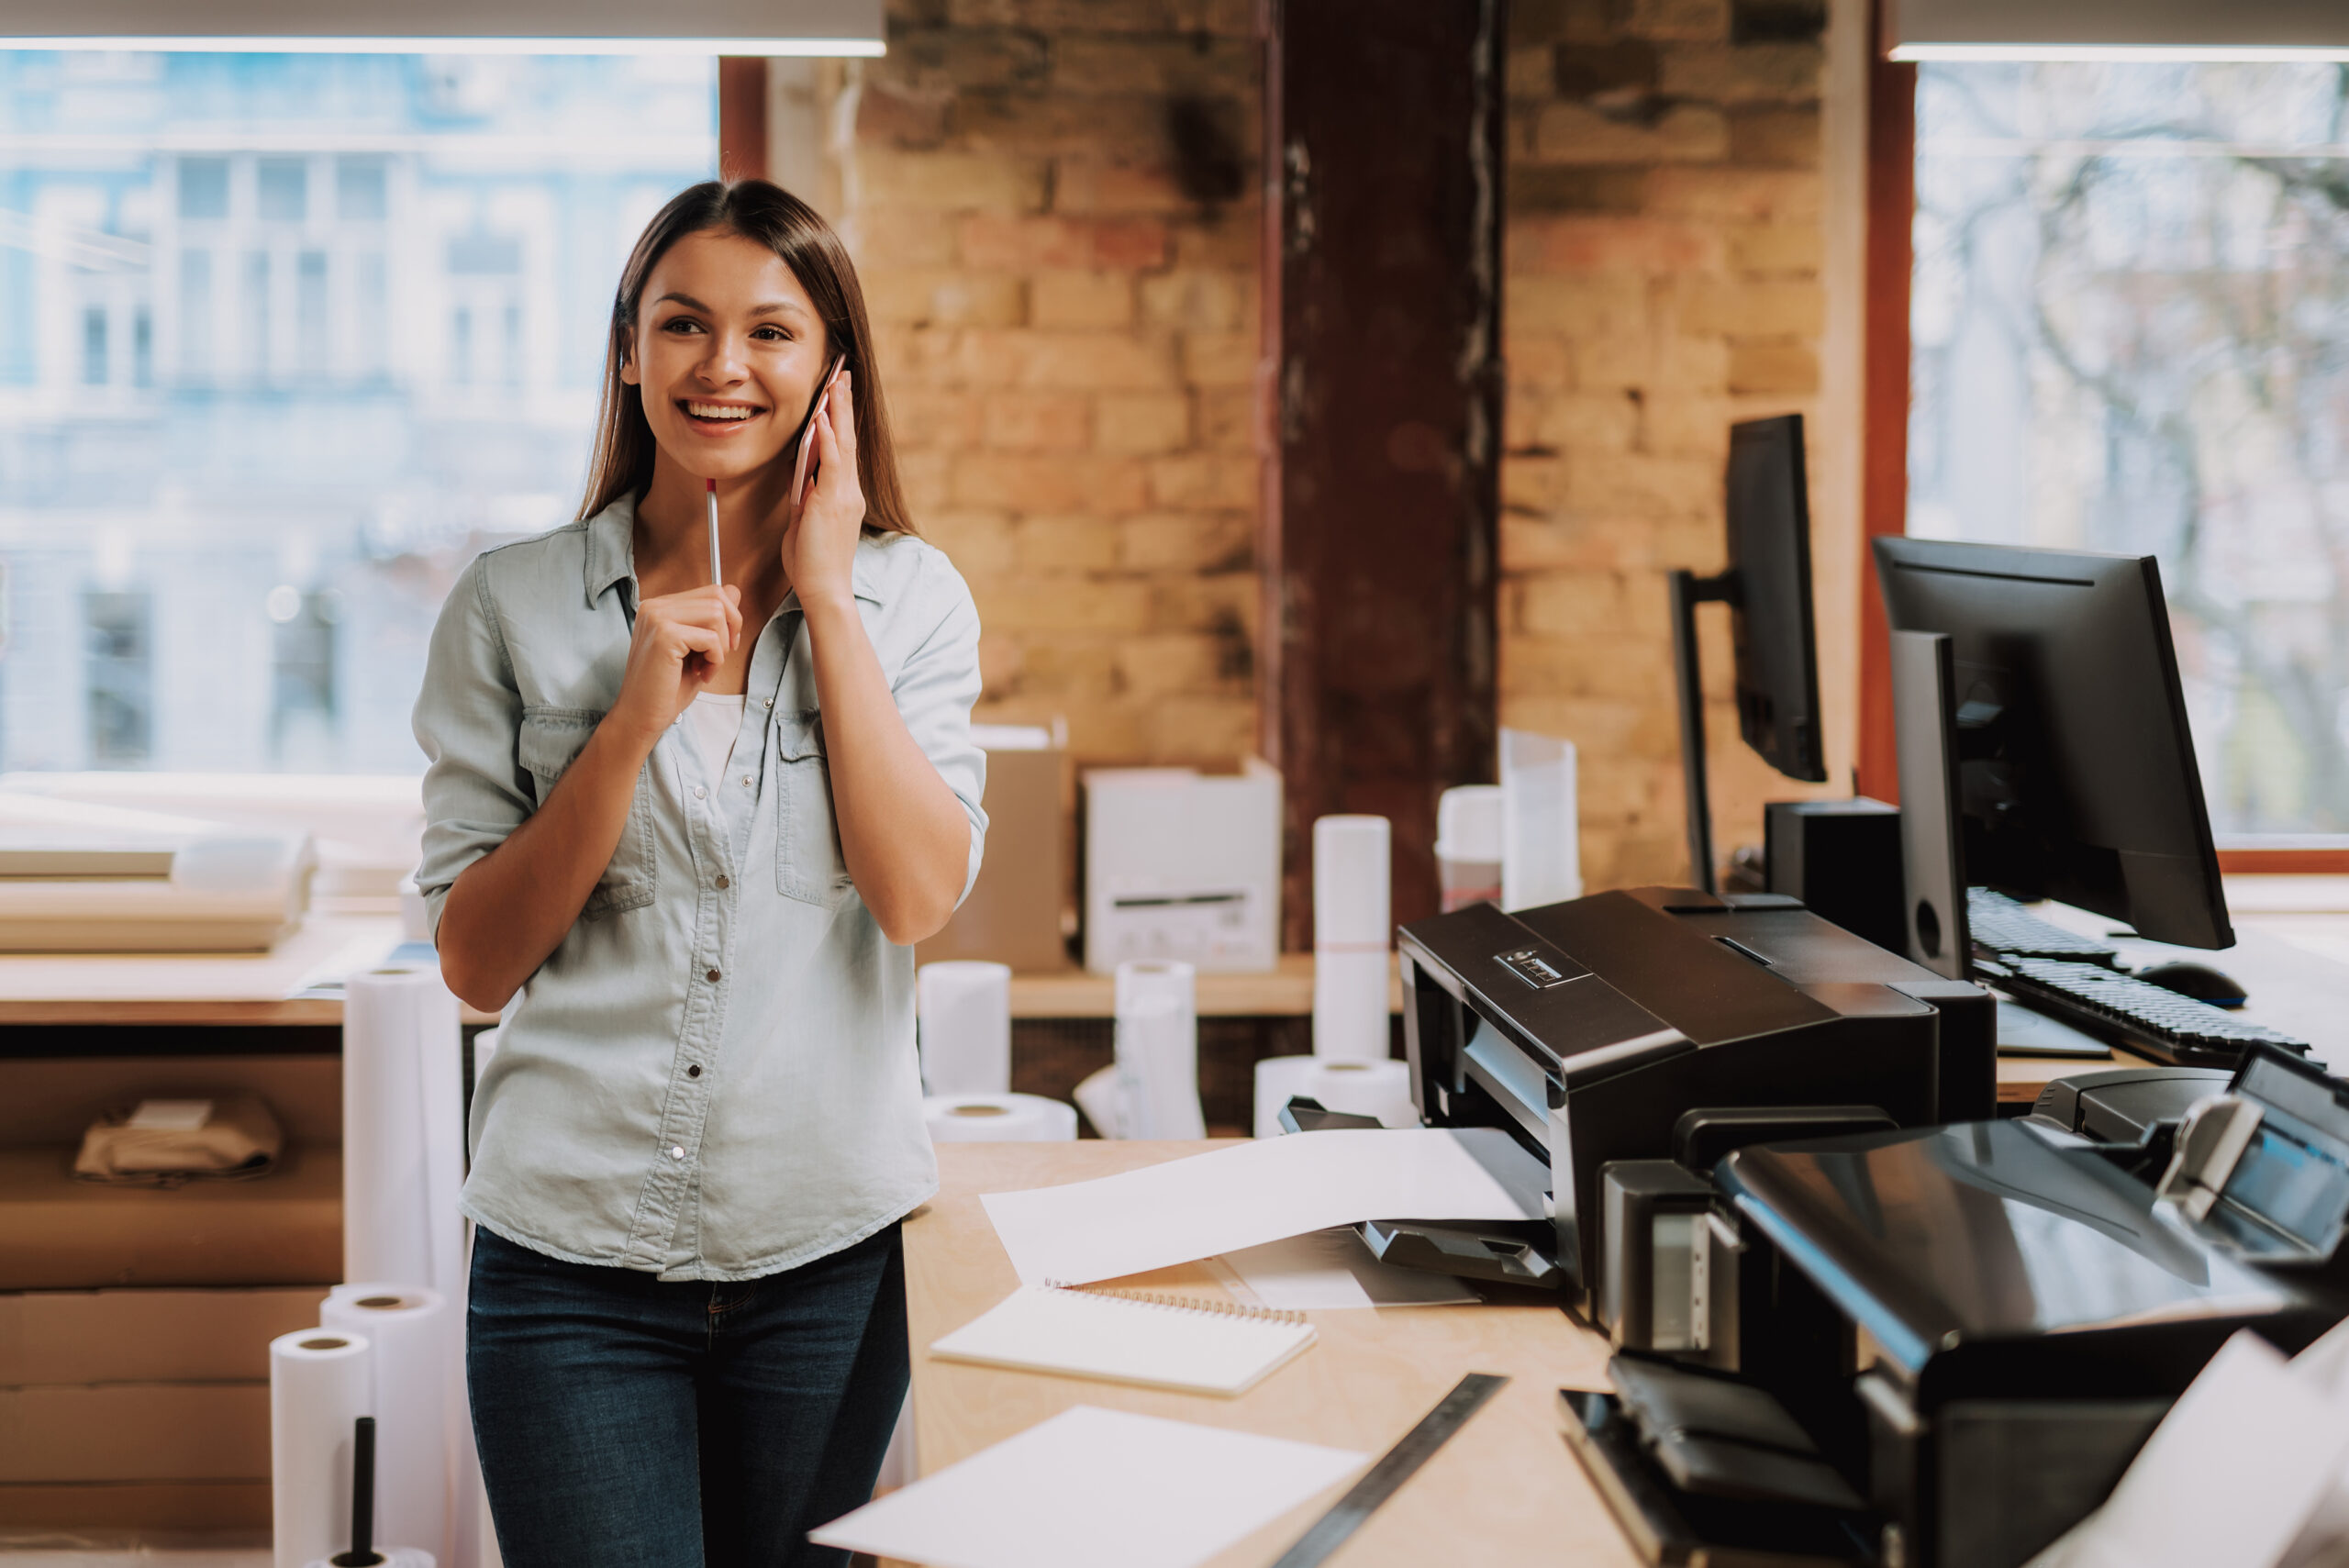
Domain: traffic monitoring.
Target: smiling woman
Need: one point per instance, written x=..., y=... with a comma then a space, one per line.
x=704, y=1120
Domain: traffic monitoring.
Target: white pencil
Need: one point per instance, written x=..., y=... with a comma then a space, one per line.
x=716, y=569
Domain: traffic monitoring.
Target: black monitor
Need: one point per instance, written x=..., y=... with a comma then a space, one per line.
x=1767, y=589
x=2074, y=773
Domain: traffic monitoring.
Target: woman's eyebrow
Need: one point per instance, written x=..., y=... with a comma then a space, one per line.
x=772, y=307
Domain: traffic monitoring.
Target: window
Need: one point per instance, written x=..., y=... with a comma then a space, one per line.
x=244, y=452
x=2129, y=329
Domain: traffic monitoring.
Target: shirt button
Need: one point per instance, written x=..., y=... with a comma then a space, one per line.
x=700, y=793
x=723, y=883
x=676, y=1152
x=746, y=781
x=713, y=977
x=766, y=702
x=693, y=1071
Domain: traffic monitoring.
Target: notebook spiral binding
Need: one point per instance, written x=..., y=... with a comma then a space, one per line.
x=1185, y=1303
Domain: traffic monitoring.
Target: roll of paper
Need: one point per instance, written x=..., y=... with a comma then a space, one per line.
x=963, y=1011
x=418, y=1340
x=1350, y=929
x=1158, y=1050
x=320, y=1382
x=1350, y=882
x=393, y=1556
x=1468, y=845
x=998, y=1119
x=402, y=1141
x=1349, y=1011
x=1540, y=824
x=1382, y=1089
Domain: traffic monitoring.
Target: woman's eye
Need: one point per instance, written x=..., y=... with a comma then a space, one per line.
x=770, y=335
x=682, y=324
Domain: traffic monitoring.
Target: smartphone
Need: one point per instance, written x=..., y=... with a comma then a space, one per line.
x=808, y=431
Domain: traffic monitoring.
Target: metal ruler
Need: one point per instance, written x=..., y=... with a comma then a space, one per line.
x=1396, y=1465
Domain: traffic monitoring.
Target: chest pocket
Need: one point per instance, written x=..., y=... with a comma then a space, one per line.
x=551, y=739
x=808, y=864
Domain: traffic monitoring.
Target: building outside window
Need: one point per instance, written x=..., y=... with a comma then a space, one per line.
x=2130, y=333
x=244, y=445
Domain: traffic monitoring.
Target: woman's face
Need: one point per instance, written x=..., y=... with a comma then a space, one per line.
x=728, y=351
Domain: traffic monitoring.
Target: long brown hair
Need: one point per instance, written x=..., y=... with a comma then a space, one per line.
x=765, y=213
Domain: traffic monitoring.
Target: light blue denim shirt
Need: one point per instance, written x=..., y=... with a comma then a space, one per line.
x=713, y=1075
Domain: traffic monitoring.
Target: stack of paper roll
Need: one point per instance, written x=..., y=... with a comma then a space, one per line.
x=1350, y=936
x=320, y=1382
x=1157, y=1070
x=998, y=1119
x=1382, y=1089
x=963, y=1013
x=75, y=877
x=417, y=1340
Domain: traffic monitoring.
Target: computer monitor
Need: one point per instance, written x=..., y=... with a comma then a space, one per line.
x=2075, y=771
x=1767, y=589
x=1770, y=613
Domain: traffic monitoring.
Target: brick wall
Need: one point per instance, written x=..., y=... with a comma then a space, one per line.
x=1665, y=250
x=1051, y=203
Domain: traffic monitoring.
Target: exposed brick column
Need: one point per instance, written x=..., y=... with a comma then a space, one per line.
x=1663, y=250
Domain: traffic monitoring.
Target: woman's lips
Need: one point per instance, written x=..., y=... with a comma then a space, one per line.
x=719, y=425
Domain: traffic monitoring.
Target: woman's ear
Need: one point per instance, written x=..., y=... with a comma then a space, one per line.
x=629, y=375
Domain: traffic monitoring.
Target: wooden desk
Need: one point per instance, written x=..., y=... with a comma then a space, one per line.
x=1503, y=1489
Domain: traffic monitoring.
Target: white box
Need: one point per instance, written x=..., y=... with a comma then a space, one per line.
x=1182, y=866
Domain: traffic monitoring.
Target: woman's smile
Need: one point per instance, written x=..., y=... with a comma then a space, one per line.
x=719, y=417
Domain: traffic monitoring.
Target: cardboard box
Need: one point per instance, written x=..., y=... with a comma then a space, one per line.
x=1184, y=865
x=135, y=1431
x=241, y=1505
x=1013, y=914
x=63, y=1234
x=148, y=1335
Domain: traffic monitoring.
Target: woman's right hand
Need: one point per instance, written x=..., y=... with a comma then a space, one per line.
x=679, y=642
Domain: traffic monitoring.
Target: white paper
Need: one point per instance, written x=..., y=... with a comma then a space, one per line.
x=2231, y=1474
x=171, y=1116
x=321, y=1382
x=1091, y=1487
x=1158, y=1050
x=1260, y=1191
x=1331, y=1268
x=964, y=1012
x=403, y=1138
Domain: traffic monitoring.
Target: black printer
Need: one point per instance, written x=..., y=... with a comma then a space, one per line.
x=1667, y=1025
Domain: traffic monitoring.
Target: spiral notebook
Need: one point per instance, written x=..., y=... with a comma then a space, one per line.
x=1155, y=1341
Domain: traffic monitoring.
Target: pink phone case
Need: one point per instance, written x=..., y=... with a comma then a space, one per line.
x=808, y=436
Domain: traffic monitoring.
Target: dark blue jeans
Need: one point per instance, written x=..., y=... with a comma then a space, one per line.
x=629, y=1422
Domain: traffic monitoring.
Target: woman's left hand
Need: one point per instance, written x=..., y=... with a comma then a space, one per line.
x=819, y=543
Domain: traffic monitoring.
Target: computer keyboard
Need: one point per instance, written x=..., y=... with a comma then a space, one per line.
x=2135, y=1013
x=2000, y=925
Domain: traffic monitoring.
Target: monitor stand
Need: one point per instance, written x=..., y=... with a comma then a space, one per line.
x=1688, y=591
x=1933, y=854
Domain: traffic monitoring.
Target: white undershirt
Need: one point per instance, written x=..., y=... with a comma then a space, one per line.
x=714, y=721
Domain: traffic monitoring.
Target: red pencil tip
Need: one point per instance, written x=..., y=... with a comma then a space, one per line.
x=711, y=485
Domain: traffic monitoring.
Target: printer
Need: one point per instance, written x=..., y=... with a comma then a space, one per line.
x=1666, y=1026
x=1941, y=1346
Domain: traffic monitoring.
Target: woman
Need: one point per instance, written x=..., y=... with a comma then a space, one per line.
x=697, y=825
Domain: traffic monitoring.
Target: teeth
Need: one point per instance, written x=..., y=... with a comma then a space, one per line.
x=719, y=411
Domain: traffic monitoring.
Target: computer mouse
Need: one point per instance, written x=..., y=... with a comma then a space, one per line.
x=2199, y=981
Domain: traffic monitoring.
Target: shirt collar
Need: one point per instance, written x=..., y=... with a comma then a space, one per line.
x=611, y=555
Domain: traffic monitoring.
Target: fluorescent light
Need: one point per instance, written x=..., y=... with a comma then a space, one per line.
x=2151, y=54
x=313, y=44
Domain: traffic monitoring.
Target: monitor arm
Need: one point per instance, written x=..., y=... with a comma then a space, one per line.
x=1688, y=591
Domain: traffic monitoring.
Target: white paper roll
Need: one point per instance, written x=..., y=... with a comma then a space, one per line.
x=1351, y=883
x=1350, y=1012
x=1382, y=1089
x=403, y=1142
x=964, y=1013
x=998, y=1119
x=1158, y=1050
x=393, y=1556
x=320, y=1382
x=1540, y=824
x=417, y=1340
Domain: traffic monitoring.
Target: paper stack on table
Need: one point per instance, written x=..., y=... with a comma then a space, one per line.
x=1090, y=1486
x=2250, y=1468
x=81, y=878
x=1260, y=1192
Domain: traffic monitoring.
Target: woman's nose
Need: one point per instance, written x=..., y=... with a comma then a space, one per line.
x=724, y=360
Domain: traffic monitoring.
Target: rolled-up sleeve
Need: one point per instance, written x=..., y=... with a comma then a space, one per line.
x=467, y=719
x=935, y=688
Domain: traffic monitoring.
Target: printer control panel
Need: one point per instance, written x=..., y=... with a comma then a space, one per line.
x=1529, y=965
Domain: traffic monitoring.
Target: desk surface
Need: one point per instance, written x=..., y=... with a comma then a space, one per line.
x=1503, y=1489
